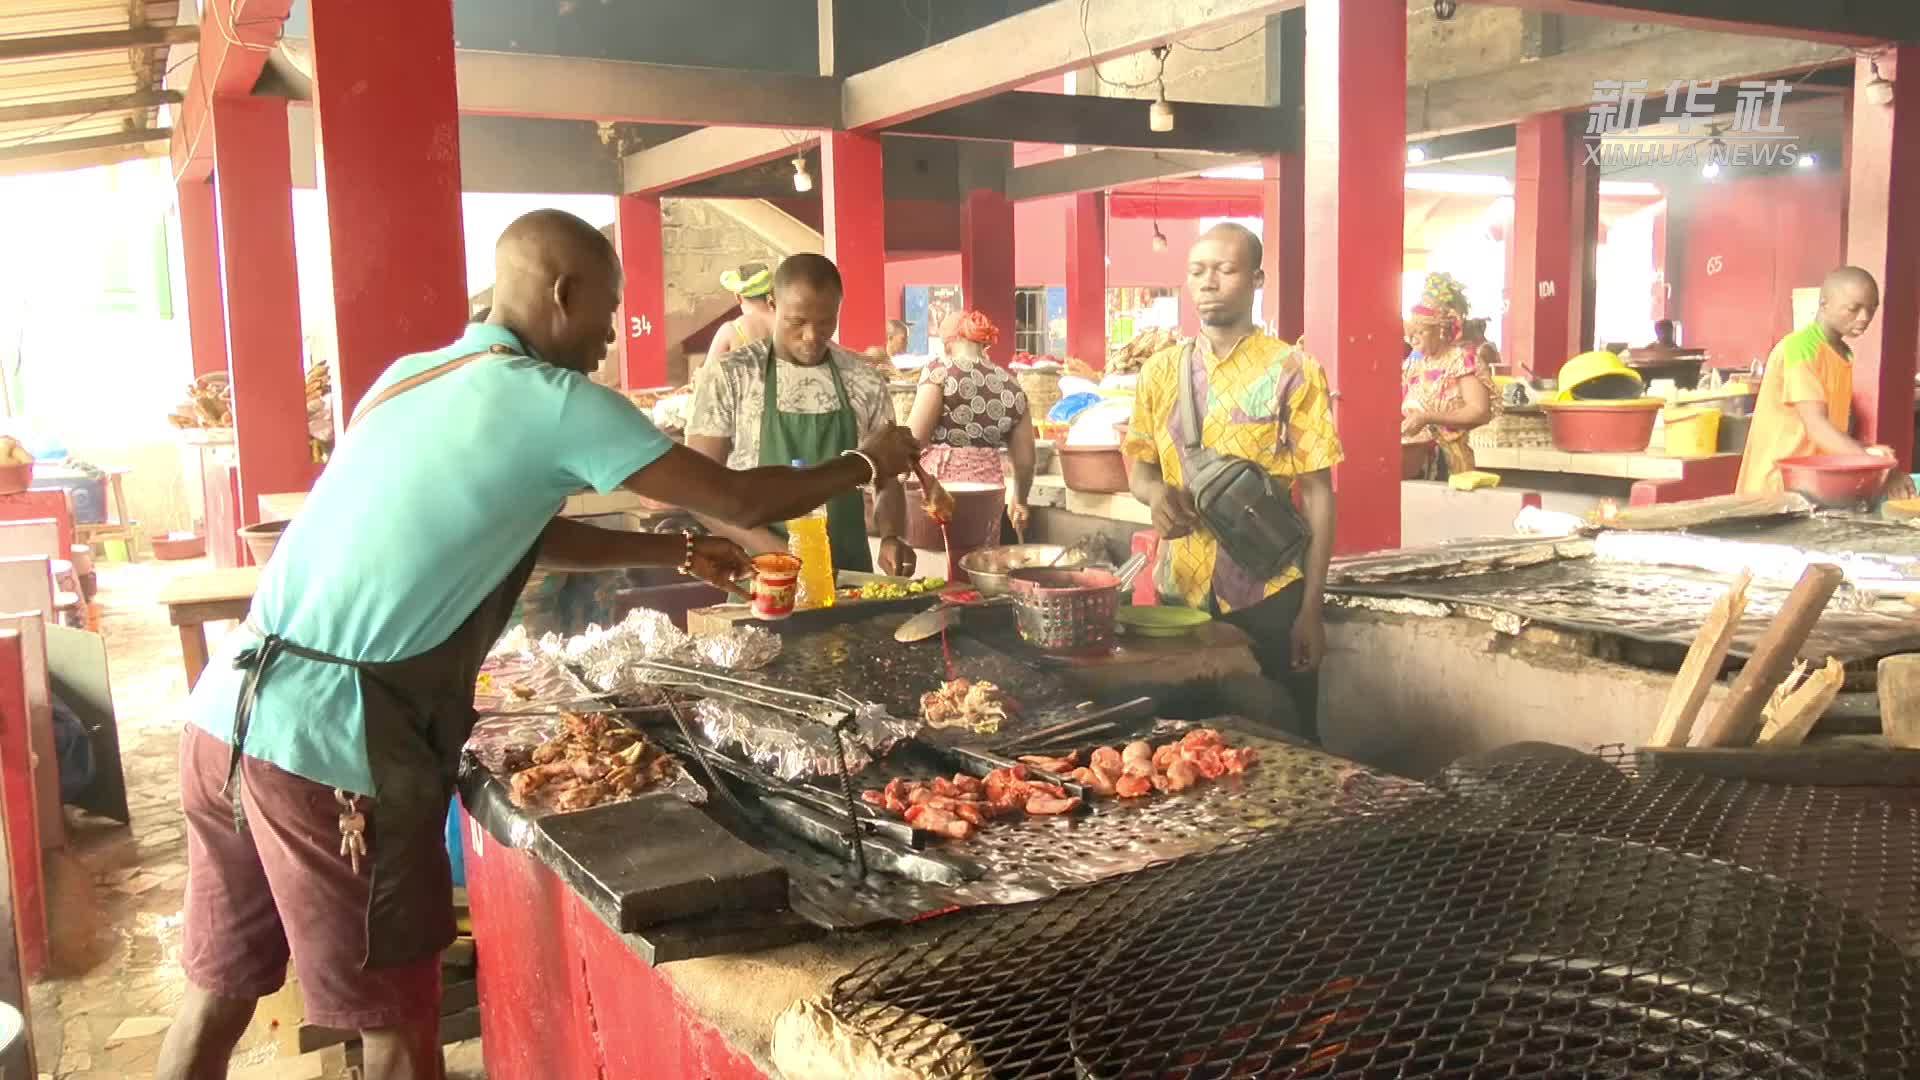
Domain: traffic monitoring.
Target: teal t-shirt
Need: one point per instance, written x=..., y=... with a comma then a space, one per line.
x=427, y=505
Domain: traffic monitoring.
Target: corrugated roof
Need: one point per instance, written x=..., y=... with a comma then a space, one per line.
x=81, y=81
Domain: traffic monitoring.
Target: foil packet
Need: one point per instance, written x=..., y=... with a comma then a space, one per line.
x=795, y=748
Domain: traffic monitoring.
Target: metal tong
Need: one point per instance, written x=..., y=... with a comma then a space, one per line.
x=1082, y=728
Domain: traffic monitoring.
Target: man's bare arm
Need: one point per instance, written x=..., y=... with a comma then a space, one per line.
x=717, y=448
x=1820, y=428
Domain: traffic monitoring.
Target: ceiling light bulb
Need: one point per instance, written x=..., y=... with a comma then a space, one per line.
x=1416, y=155
x=1160, y=114
x=1807, y=161
x=1159, y=239
x=1878, y=90
x=1710, y=170
x=802, y=181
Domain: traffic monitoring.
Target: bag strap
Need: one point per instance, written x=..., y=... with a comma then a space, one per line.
x=421, y=379
x=1191, y=433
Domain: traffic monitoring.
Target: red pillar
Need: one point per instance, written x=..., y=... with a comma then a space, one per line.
x=389, y=133
x=1583, y=249
x=986, y=262
x=200, y=251
x=1662, y=291
x=1355, y=171
x=1283, y=216
x=1087, y=278
x=643, y=308
x=22, y=818
x=1540, y=248
x=1883, y=237
x=253, y=177
x=854, y=203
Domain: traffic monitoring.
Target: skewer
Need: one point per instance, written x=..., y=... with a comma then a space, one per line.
x=700, y=755
x=1081, y=725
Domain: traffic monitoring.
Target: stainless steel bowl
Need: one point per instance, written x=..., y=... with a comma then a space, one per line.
x=988, y=567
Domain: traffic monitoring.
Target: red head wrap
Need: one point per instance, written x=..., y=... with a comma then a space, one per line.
x=969, y=326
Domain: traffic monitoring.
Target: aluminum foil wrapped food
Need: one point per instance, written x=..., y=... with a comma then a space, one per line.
x=793, y=747
x=607, y=658
x=744, y=648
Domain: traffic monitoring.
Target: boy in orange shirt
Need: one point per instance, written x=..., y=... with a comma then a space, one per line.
x=1806, y=397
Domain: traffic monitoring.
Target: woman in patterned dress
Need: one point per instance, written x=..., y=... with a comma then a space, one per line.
x=967, y=411
x=1445, y=390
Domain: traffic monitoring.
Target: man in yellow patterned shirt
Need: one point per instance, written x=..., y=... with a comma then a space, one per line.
x=1263, y=400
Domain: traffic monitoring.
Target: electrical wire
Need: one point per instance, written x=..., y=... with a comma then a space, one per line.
x=1220, y=48
x=1087, y=36
x=55, y=129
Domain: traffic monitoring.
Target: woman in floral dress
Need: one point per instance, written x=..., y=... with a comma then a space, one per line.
x=1445, y=390
x=967, y=411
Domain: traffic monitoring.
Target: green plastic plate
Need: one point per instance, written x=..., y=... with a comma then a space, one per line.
x=1162, y=621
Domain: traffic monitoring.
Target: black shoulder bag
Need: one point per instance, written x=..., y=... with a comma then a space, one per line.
x=1248, y=509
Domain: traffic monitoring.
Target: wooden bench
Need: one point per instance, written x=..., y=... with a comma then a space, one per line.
x=194, y=600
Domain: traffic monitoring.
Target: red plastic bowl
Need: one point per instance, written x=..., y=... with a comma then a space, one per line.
x=1836, y=479
x=1621, y=427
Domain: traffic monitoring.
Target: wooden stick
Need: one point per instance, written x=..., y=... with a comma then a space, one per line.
x=1804, y=707
x=1900, y=700
x=1738, y=720
x=1704, y=660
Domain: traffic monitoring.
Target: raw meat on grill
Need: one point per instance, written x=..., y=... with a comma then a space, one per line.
x=956, y=807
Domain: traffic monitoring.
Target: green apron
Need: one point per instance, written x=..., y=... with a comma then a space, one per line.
x=815, y=438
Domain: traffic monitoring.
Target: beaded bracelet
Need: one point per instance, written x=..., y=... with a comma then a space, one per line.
x=686, y=564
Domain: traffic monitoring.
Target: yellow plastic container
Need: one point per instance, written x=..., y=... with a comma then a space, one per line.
x=1693, y=432
x=807, y=541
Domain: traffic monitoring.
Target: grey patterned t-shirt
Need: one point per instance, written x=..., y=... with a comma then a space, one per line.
x=729, y=396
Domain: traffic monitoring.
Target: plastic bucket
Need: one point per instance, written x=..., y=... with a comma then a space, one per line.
x=1693, y=432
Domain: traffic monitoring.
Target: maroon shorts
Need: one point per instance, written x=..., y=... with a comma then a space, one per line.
x=283, y=883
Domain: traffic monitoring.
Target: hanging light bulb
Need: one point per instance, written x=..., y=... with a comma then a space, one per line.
x=1160, y=113
x=1416, y=154
x=802, y=180
x=1879, y=91
x=1159, y=238
x=1710, y=170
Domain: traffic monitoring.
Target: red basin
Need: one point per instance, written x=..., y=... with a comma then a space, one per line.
x=1836, y=479
x=1621, y=427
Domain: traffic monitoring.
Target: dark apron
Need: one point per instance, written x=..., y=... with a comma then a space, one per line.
x=419, y=713
x=815, y=438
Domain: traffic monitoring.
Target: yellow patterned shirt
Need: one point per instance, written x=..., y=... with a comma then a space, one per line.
x=1240, y=417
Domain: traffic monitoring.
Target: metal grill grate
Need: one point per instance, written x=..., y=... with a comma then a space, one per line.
x=1547, y=917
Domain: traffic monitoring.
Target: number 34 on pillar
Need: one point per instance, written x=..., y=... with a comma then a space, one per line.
x=639, y=326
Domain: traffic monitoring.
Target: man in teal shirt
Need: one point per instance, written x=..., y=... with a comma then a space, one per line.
x=319, y=757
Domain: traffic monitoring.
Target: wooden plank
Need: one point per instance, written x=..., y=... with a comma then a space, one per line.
x=1738, y=719
x=1900, y=700
x=1702, y=666
x=47, y=110
x=571, y=87
x=1856, y=24
x=145, y=37
x=1098, y=170
x=215, y=587
x=1800, y=710
x=1025, y=116
x=1062, y=36
x=52, y=150
x=1565, y=82
x=1818, y=765
x=704, y=153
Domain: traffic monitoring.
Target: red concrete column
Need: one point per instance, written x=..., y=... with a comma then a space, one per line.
x=1662, y=290
x=1356, y=156
x=1087, y=278
x=200, y=252
x=854, y=201
x=1283, y=216
x=643, y=307
x=389, y=134
x=1540, y=248
x=22, y=817
x=253, y=179
x=986, y=262
x=1883, y=237
x=1583, y=249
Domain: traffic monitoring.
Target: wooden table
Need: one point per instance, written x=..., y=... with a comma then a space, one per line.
x=197, y=599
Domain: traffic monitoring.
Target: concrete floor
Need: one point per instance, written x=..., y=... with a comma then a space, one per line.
x=115, y=895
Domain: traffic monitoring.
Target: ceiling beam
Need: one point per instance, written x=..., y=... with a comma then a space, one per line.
x=1065, y=35
x=146, y=37
x=50, y=150
x=704, y=153
x=1023, y=116
x=236, y=38
x=567, y=87
x=1466, y=144
x=1835, y=22
x=1097, y=170
x=53, y=110
x=1565, y=82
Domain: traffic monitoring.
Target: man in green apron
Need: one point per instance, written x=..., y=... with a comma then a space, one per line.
x=797, y=396
x=322, y=741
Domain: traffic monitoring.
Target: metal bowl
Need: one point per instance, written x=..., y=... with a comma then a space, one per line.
x=988, y=567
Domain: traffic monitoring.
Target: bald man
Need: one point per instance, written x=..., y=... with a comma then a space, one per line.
x=1806, y=397
x=1263, y=400
x=330, y=725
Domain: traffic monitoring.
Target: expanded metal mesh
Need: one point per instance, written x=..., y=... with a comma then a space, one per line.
x=1546, y=916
